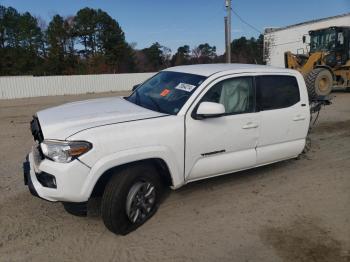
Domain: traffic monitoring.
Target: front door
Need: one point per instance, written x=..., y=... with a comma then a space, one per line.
x=223, y=144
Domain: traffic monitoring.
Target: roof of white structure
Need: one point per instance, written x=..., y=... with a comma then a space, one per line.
x=210, y=69
x=272, y=29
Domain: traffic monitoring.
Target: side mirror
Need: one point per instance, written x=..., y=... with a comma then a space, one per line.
x=304, y=39
x=209, y=110
x=134, y=87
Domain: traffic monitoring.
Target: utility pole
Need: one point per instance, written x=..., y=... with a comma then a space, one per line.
x=228, y=31
x=226, y=40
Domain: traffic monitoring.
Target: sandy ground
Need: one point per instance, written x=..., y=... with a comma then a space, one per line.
x=297, y=210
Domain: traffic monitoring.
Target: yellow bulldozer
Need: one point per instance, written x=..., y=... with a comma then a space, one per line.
x=327, y=62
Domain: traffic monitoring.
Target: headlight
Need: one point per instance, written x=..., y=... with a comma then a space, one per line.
x=64, y=151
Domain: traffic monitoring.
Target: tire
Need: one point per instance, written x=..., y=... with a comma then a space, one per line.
x=121, y=197
x=319, y=82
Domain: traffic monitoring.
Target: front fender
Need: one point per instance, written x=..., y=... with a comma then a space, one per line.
x=133, y=155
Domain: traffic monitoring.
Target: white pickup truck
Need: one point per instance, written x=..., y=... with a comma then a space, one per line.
x=184, y=124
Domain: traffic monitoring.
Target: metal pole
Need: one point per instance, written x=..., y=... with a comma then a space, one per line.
x=228, y=31
x=226, y=38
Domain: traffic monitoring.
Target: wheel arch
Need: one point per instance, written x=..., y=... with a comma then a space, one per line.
x=159, y=163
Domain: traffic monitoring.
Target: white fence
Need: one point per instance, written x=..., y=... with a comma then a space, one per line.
x=29, y=86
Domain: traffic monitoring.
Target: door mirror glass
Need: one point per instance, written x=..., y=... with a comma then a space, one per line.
x=210, y=109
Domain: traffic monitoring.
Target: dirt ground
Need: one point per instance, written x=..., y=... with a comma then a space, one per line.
x=297, y=210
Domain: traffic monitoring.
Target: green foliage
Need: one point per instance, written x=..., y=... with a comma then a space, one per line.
x=21, y=42
x=57, y=38
x=249, y=51
x=182, y=56
x=93, y=42
x=204, y=53
x=154, y=58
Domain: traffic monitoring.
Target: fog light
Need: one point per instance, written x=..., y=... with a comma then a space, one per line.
x=46, y=180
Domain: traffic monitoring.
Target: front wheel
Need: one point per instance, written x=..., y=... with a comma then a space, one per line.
x=130, y=198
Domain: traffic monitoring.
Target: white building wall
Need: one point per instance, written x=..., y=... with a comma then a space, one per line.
x=29, y=86
x=278, y=41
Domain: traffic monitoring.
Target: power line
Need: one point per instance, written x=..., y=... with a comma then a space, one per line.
x=245, y=22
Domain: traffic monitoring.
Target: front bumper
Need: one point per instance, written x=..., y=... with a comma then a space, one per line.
x=70, y=178
x=27, y=178
x=30, y=179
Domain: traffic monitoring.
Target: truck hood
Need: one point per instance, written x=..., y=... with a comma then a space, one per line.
x=63, y=121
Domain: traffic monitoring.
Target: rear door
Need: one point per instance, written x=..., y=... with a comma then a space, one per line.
x=285, y=117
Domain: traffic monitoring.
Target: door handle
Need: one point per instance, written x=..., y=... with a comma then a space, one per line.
x=250, y=125
x=299, y=118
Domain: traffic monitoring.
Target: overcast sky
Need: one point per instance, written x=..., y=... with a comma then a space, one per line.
x=177, y=22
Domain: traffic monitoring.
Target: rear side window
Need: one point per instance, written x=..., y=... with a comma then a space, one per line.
x=275, y=92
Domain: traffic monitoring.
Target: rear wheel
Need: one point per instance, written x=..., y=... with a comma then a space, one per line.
x=130, y=198
x=319, y=82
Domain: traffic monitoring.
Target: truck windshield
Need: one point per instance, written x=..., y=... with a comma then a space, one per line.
x=323, y=40
x=166, y=92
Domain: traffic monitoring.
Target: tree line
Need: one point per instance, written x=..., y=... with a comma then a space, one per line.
x=92, y=42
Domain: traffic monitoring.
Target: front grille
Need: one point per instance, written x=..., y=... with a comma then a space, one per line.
x=36, y=130
x=38, y=137
x=38, y=156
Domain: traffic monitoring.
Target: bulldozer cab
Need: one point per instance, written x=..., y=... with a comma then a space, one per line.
x=335, y=41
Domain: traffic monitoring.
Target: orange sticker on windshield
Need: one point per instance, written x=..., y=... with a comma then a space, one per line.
x=165, y=92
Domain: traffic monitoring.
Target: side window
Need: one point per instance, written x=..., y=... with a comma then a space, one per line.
x=340, y=38
x=275, y=92
x=236, y=94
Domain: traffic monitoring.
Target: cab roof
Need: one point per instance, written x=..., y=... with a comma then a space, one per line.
x=210, y=69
